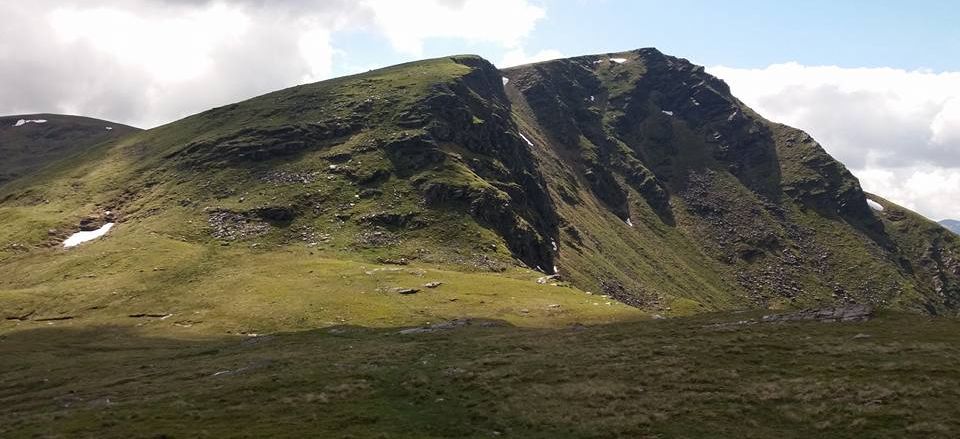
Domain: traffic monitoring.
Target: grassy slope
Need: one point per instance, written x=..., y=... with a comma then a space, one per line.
x=164, y=190
x=891, y=377
x=161, y=258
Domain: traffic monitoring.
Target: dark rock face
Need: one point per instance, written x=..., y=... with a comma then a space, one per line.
x=565, y=98
x=942, y=267
x=474, y=113
x=260, y=144
x=761, y=203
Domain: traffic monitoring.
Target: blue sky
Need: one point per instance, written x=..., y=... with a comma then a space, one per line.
x=747, y=34
x=876, y=82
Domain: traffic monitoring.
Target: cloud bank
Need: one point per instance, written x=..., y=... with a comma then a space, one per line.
x=897, y=130
x=147, y=62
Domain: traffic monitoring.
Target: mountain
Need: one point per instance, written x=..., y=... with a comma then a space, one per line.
x=29, y=142
x=592, y=188
x=444, y=249
x=952, y=225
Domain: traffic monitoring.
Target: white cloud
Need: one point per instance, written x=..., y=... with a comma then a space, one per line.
x=946, y=125
x=518, y=56
x=898, y=130
x=408, y=23
x=316, y=49
x=172, y=48
x=146, y=62
x=932, y=191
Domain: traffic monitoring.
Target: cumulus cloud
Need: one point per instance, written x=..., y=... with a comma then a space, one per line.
x=146, y=62
x=408, y=23
x=898, y=130
x=922, y=188
x=518, y=56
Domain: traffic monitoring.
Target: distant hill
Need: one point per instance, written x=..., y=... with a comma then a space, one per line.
x=29, y=142
x=952, y=225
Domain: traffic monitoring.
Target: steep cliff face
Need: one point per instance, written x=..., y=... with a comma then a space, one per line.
x=725, y=207
x=635, y=175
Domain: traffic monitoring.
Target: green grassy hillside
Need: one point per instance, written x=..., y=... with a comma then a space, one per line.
x=308, y=207
x=636, y=176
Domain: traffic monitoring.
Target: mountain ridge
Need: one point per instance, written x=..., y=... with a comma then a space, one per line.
x=635, y=175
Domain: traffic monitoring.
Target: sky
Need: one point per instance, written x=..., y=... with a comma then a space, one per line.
x=876, y=82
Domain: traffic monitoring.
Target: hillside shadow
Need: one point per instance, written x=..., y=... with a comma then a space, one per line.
x=472, y=379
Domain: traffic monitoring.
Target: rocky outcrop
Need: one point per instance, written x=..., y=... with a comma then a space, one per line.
x=762, y=201
x=260, y=144
x=506, y=190
x=848, y=313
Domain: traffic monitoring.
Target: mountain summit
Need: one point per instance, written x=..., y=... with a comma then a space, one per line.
x=634, y=175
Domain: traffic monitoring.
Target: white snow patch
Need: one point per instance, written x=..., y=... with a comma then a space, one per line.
x=108, y=128
x=629, y=223
x=618, y=60
x=505, y=80
x=875, y=205
x=525, y=139
x=554, y=244
x=26, y=121
x=668, y=113
x=694, y=101
x=81, y=237
x=555, y=270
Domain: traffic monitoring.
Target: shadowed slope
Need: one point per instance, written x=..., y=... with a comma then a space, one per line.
x=30, y=142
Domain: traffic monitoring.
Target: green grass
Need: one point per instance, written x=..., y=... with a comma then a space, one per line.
x=216, y=289
x=891, y=377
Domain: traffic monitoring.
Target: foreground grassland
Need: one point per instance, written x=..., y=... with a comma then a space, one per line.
x=894, y=376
